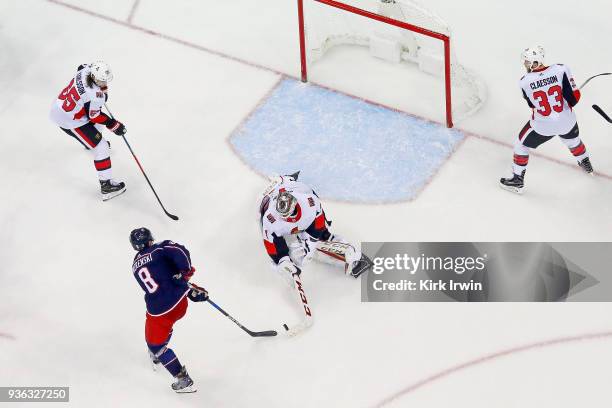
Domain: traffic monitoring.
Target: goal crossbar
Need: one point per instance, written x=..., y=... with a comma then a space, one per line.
x=387, y=20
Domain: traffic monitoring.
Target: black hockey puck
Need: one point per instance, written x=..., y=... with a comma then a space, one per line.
x=285, y=326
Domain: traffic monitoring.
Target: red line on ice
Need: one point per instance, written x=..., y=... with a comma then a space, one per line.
x=489, y=357
x=163, y=36
x=282, y=74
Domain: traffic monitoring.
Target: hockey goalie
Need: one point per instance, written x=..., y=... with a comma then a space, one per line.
x=295, y=231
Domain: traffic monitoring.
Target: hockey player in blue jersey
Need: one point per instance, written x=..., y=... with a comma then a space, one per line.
x=163, y=271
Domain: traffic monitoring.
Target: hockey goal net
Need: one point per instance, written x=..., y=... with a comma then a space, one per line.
x=401, y=31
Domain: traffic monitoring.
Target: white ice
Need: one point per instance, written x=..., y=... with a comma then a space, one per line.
x=72, y=314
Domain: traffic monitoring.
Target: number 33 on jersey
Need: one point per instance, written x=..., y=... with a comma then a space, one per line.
x=552, y=93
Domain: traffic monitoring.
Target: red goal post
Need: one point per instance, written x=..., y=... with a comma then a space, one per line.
x=387, y=20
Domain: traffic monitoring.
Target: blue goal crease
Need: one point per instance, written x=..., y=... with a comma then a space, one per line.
x=347, y=149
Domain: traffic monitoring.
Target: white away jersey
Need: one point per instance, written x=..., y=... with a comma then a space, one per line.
x=78, y=102
x=551, y=93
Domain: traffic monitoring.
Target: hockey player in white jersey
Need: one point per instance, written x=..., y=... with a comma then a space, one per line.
x=295, y=231
x=78, y=112
x=551, y=93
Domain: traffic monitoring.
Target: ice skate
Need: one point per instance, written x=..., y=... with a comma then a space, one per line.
x=360, y=266
x=585, y=164
x=514, y=184
x=111, y=189
x=184, y=383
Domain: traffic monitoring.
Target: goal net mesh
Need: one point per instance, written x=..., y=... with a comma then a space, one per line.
x=326, y=27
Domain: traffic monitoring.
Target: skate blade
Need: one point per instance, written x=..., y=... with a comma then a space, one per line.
x=109, y=196
x=515, y=190
x=187, y=390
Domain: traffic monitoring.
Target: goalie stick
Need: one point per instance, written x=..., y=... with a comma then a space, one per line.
x=307, y=322
x=602, y=113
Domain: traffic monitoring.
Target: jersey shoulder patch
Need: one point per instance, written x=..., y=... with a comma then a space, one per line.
x=270, y=218
x=311, y=202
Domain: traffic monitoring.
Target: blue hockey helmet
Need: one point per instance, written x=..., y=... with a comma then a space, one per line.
x=141, y=238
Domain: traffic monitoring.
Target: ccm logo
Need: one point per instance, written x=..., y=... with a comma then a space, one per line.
x=303, y=296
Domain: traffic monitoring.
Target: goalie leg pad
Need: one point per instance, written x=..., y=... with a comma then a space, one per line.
x=338, y=253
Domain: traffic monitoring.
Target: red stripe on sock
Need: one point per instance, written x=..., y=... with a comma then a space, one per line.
x=521, y=160
x=578, y=150
x=103, y=164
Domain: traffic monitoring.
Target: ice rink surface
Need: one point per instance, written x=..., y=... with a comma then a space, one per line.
x=188, y=75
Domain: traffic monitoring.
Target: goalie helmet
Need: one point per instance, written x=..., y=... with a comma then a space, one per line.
x=533, y=55
x=285, y=204
x=101, y=73
x=141, y=238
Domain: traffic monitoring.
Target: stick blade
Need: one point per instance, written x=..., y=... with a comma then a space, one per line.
x=266, y=333
x=602, y=113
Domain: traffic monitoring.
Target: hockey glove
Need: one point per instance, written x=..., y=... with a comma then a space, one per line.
x=116, y=127
x=184, y=275
x=287, y=269
x=197, y=293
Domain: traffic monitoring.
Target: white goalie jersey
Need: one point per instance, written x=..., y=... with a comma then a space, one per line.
x=308, y=217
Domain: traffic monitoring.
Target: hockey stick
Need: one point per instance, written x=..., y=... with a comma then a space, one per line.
x=266, y=333
x=174, y=217
x=594, y=76
x=602, y=113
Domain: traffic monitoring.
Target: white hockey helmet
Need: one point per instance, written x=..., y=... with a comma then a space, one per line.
x=533, y=55
x=101, y=73
x=285, y=204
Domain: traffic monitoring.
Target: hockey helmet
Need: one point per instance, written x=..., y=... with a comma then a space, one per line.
x=285, y=204
x=101, y=73
x=533, y=55
x=141, y=238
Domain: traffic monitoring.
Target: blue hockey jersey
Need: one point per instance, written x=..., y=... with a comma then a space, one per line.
x=158, y=269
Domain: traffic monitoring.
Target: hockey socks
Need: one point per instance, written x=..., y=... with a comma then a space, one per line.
x=102, y=160
x=576, y=147
x=167, y=358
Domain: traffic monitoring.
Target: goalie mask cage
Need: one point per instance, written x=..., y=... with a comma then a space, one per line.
x=394, y=30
